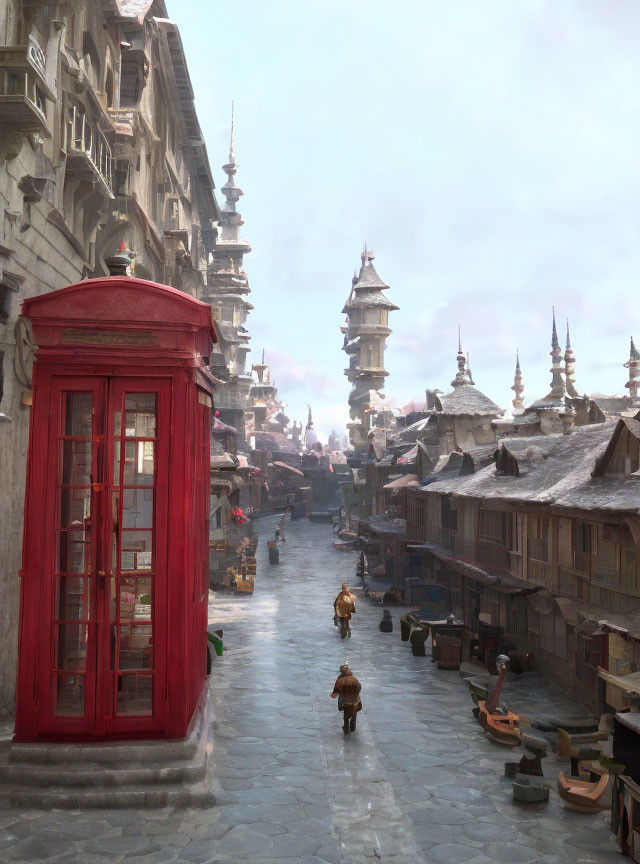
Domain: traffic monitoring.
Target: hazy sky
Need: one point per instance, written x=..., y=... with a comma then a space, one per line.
x=487, y=150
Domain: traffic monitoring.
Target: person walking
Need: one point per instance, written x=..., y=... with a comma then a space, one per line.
x=347, y=691
x=344, y=607
x=280, y=530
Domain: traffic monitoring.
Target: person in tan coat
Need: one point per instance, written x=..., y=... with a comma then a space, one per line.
x=344, y=606
x=347, y=690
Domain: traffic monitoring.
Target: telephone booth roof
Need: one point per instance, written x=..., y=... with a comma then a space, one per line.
x=121, y=304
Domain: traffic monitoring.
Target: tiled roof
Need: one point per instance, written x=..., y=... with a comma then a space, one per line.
x=556, y=470
x=467, y=400
x=370, y=298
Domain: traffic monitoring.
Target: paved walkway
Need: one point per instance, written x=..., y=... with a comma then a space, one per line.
x=418, y=783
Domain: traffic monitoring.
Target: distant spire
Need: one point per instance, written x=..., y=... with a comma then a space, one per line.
x=461, y=375
x=469, y=375
x=309, y=418
x=232, y=155
x=633, y=365
x=230, y=191
x=263, y=356
x=554, y=333
x=518, y=388
x=569, y=360
x=558, y=390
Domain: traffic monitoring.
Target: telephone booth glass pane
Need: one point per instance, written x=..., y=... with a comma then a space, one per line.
x=135, y=426
x=72, y=589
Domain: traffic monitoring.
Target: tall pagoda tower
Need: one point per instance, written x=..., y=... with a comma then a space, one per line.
x=366, y=330
x=226, y=291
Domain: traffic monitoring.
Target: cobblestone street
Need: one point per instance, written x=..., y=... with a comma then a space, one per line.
x=418, y=782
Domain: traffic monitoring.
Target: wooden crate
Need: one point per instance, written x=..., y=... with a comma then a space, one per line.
x=245, y=585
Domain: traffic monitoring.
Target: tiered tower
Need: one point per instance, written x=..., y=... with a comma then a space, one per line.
x=366, y=331
x=633, y=365
x=569, y=360
x=518, y=388
x=264, y=393
x=226, y=291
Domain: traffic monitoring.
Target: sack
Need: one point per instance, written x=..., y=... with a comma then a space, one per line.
x=342, y=699
x=335, y=619
x=217, y=643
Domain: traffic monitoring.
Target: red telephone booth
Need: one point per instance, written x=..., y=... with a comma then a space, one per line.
x=115, y=573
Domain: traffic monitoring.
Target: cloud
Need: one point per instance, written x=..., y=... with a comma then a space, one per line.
x=487, y=151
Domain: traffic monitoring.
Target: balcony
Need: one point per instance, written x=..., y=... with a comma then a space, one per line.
x=567, y=582
x=88, y=151
x=539, y=573
x=515, y=563
x=23, y=89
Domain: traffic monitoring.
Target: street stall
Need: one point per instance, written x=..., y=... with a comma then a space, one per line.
x=113, y=627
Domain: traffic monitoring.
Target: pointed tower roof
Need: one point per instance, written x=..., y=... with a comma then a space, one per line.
x=461, y=375
x=465, y=399
x=231, y=192
x=367, y=289
x=518, y=388
x=569, y=360
x=354, y=279
x=555, y=398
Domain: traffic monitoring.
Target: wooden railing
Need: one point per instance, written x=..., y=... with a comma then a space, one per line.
x=86, y=139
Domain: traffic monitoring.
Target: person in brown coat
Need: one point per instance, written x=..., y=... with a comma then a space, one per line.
x=347, y=690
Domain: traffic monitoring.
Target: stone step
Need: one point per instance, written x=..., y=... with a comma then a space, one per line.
x=153, y=773
x=157, y=750
x=85, y=775
x=170, y=795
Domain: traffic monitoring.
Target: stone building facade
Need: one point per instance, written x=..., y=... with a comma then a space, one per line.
x=100, y=147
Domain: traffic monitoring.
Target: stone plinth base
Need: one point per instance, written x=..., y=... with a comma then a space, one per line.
x=155, y=773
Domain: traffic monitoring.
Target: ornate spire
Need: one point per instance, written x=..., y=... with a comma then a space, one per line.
x=558, y=389
x=469, y=375
x=518, y=388
x=569, y=360
x=232, y=154
x=633, y=365
x=461, y=375
x=230, y=191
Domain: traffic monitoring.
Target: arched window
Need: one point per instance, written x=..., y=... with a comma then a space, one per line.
x=91, y=60
x=108, y=87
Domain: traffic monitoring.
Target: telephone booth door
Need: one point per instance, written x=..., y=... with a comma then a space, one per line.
x=105, y=585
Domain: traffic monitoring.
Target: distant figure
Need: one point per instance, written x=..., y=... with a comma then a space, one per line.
x=344, y=607
x=347, y=689
x=386, y=625
x=280, y=530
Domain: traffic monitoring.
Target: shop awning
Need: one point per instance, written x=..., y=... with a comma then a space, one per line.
x=624, y=682
x=409, y=456
x=505, y=583
x=541, y=603
x=403, y=482
x=568, y=609
x=288, y=467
